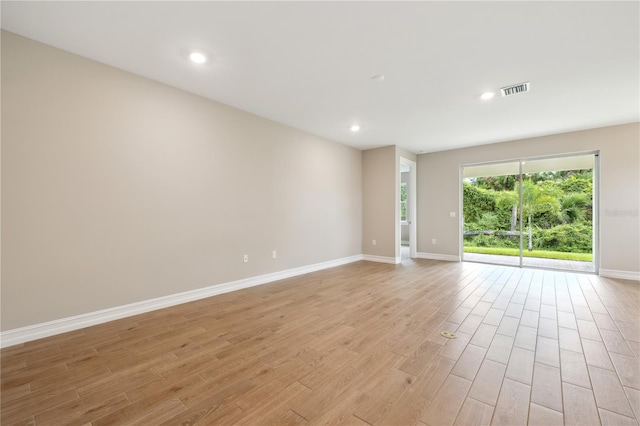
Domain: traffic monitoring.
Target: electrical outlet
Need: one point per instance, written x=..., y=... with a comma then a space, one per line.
x=373, y=242
x=245, y=258
x=433, y=241
x=274, y=254
x=452, y=214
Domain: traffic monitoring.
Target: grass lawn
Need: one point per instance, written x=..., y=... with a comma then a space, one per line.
x=584, y=257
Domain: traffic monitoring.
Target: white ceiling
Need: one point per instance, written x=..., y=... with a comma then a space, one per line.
x=309, y=64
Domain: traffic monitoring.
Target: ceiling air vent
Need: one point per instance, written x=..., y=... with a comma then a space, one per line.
x=515, y=89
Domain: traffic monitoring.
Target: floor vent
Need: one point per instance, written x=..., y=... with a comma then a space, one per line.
x=515, y=89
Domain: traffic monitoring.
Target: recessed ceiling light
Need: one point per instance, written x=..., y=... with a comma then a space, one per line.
x=378, y=77
x=487, y=95
x=355, y=128
x=197, y=57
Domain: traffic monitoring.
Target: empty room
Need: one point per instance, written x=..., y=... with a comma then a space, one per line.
x=362, y=213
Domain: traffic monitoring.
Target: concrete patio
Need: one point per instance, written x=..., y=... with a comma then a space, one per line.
x=568, y=265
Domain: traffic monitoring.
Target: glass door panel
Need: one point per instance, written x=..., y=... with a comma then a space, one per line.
x=557, y=201
x=491, y=225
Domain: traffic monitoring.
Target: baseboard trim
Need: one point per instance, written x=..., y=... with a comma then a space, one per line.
x=438, y=256
x=381, y=259
x=623, y=275
x=63, y=325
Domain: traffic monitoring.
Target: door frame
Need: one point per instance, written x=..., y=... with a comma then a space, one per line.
x=411, y=209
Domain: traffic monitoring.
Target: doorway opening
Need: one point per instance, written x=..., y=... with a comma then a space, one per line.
x=534, y=212
x=406, y=226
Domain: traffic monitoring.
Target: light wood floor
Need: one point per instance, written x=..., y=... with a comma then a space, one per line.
x=358, y=344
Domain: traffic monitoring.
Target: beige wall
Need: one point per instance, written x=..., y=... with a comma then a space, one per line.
x=439, y=183
x=117, y=189
x=381, y=201
x=379, y=177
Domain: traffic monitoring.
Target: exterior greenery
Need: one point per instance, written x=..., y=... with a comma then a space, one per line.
x=556, y=211
x=403, y=202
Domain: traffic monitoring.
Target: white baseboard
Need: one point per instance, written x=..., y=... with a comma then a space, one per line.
x=438, y=256
x=381, y=259
x=63, y=325
x=623, y=275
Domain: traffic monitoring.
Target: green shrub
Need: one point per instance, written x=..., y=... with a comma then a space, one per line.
x=493, y=240
x=484, y=241
x=550, y=187
x=576, y=237
x=577, y=184
x=477, y=201
x=490, y=221
x=546, y=219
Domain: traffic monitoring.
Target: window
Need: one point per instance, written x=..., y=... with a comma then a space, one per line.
x=403, y=202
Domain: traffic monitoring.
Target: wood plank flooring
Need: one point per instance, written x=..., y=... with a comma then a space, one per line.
x=358, y=344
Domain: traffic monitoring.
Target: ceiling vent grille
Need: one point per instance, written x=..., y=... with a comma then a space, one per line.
x=515, y=89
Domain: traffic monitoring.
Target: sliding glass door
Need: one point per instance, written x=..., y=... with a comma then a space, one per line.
x=532, y=212
x=490, y=211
